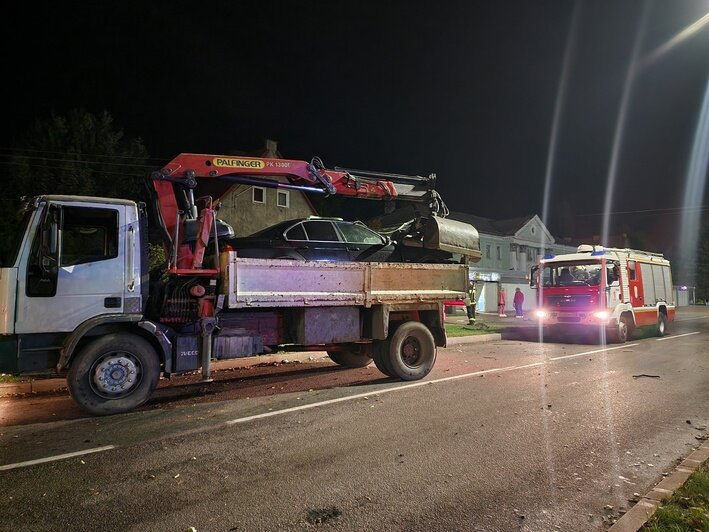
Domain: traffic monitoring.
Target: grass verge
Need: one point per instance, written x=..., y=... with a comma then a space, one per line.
x=687, y=509
x=453, y=329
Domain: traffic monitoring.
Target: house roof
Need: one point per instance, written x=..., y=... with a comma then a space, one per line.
x=506, y=227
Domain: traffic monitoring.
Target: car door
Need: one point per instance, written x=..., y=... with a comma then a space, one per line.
x=323, y=242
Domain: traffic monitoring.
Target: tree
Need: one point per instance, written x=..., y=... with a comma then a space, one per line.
x=80, y=153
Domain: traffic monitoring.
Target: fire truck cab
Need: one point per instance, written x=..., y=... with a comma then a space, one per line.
x=607, y=288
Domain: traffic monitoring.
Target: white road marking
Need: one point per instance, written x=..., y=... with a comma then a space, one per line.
x=56, y=457
x=408, y=386
x=594, y=352
x=677, y=336
x=340, y=400
x=694, y=318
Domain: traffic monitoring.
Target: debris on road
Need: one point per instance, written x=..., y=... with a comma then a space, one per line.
x=646, y=375
x=318, y=516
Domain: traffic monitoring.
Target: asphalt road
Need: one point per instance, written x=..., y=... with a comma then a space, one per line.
x=510, y=435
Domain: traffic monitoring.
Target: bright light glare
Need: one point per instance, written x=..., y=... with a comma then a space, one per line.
x=541, y=314
x=682, y=36
x=601, y=315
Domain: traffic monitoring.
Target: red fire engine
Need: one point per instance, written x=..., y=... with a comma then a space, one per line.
x=615, y=289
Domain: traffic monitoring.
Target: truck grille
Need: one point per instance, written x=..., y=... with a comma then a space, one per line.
x=569, y=301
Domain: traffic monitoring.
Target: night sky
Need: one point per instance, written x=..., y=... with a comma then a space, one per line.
x=466, y=90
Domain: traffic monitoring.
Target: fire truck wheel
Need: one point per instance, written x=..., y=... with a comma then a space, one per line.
x=619, y=335
x=353, y=356
x=380, y=354
x=661, y=324
x=412, y=351
x=114, y=373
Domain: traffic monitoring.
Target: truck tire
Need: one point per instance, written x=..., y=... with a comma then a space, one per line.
x=114, y=374
x=619, y=335
x=357, y=356
x=412, y=351
x=661, y=324
x=380, y=354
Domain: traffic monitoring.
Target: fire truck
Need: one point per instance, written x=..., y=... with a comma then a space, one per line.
x=78, y=298
x=614, y=289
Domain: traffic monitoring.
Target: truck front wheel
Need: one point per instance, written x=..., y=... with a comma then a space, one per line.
x=114, y=373
x=412, y=351
x=352, y=356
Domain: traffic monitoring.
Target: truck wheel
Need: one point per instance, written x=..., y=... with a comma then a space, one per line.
x=619, y=335
x=114, y=374
x=412, y=351
x=358, y=356
x=661, y=324
x=380, y=354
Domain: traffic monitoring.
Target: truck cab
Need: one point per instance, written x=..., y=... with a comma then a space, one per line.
x=77, y=261
x=606, y=288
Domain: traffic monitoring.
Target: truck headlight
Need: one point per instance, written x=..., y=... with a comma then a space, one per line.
x=541, y=314
x=602, y=315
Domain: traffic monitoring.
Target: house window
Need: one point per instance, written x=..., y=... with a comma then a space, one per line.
x=258, y=195
x=499, y=253
x=283, y=198
x=487, y=251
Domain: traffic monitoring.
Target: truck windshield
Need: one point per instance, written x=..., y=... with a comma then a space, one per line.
x=12, y=231
x=574, y=274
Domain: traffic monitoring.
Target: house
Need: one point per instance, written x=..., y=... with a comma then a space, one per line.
x=249, y=208
x=509, y=248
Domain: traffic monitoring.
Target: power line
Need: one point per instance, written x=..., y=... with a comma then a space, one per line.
x=15, y=149
x=80, y=161
x=667, y=210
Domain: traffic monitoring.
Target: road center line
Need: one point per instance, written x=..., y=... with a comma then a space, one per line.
x=334, y=401
x=408, y=386
x=677, y=336
x=55, y=458
x=594, y=352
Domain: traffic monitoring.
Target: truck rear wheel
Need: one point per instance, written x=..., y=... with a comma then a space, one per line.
x=114, y=374
x=380, y=354
x=661, y=324
x=355, y=356
x=412, y=351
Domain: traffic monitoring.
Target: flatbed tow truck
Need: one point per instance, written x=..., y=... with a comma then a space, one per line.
x=78, y=299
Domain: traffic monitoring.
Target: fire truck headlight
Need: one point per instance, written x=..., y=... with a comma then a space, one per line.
x=541, y=314
x=602, y=315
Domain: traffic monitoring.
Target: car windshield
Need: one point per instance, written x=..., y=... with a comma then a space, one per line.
x=13, y=231
x=575, y=274
x=358, y=233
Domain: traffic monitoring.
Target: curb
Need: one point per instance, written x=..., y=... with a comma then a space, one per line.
x=638, y=515
x=57, y=384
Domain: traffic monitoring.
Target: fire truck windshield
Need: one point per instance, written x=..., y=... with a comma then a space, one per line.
x=575, y=274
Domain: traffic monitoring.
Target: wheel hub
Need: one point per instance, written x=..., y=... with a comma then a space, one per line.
x=115, y=375
x=410, y=351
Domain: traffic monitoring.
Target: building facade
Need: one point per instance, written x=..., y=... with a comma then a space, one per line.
x=509, y=249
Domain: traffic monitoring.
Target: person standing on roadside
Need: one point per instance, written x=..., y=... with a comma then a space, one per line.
x=518, y=301
x=501, y=303
x=470, y=302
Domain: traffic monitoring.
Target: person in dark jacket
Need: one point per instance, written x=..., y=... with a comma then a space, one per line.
x=518, y=301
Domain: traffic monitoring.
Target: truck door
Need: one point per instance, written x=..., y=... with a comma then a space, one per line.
x=635, y=284
x=73, y=270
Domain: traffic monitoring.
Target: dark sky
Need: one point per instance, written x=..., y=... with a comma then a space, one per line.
x=463, y=89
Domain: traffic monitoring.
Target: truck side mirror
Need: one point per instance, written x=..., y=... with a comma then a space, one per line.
x=533, y=276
